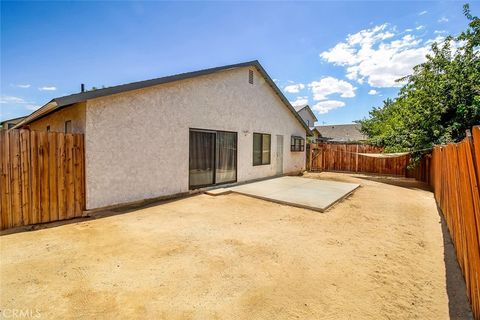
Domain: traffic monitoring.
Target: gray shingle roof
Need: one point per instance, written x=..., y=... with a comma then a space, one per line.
x=61, y=102
x=341, y=133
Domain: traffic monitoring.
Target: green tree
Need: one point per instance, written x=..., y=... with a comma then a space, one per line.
x=439, y=101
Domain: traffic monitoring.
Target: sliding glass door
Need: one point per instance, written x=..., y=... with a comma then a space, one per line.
x=202, y=158
x=213, y=157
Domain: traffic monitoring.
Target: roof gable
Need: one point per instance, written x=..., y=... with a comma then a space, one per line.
x=307, y=108
x=61, y=102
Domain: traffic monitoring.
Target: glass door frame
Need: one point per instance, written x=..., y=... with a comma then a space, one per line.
x=190, y=187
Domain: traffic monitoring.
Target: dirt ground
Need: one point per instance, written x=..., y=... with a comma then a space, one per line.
x=379, y=254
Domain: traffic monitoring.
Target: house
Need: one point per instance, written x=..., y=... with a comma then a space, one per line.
x=10, y=123
x=307, y=115
x=167, y=136
x=341, y=133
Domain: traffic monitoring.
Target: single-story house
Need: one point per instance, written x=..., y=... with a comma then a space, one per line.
x=170, y=135
x=341, y=133
x=10, y=123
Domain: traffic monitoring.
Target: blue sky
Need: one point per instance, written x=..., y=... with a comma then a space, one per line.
x=340, y=57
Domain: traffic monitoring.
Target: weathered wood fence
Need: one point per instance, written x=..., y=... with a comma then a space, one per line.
x=345, y=157
x=42, y=177
x=455, y=179
x=452, y=170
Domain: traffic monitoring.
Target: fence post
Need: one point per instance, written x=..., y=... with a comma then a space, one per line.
x=356, y=160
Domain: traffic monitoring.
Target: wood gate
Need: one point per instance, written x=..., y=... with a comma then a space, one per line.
x=42, y=177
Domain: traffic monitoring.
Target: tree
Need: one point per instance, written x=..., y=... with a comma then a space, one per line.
x=439, y=101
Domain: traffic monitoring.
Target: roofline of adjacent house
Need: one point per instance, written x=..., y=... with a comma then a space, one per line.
x=337, y=125
x=65, y=101
x=309, y=110
x=12, y=119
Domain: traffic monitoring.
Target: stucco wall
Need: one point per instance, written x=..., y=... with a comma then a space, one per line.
x=56, y=120
x=137, y=142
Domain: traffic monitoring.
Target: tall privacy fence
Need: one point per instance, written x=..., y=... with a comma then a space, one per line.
x=41, y=177
x=346, y=157
x=452, y=170
x=455, y=179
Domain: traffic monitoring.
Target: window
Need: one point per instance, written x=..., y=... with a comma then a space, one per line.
x=68, y=126
x=250, y=76
x=297, y=144
x=48, y=128
x=308, y=123
x=261, y=148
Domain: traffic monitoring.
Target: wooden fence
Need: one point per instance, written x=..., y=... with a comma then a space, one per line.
x=452, y=170
x=455, y=179
x=41, y=177
x=345, y=157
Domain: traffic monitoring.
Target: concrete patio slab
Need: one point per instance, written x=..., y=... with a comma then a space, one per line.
x=218, y=191
x=312, y=194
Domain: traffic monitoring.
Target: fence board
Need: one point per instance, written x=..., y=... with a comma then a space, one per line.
x=16, y=184
x=61, y=197
x=77, y=173
x=4, y=207
x=25, y=177
x=42, y=177
x=69, y=179
x=52, y=175
x=454, y=177
x=35, y=178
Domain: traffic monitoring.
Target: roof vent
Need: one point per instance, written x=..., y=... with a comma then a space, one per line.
x=82, y=87
x=250, y=76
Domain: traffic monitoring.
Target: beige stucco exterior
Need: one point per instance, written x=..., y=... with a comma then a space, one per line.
x=137, y=142
x=56, y=120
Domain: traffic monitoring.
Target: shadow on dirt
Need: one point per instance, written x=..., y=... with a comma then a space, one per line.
x=458, y=305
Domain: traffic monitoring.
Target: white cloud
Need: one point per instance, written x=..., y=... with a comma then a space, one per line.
x=379, y=55
x=32, y=107
x=373, y=92
x=443, y=19
x=327, y=105
x=330, y=85
x=12, y=99
x=420, y=27
x=294, y=88
x=423, y=12
x=299, y=102
x=439, y=31
x=408, y=30
x=47, y=88
x=24, y=86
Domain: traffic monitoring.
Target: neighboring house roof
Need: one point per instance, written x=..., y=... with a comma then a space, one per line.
x=11, y=121
x=307, y=107
x=341, y=133
x=61, y=102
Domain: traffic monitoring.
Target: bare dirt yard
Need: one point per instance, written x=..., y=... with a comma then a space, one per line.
x=382, y=253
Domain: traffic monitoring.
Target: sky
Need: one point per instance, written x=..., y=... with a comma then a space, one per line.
x=340, y=58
